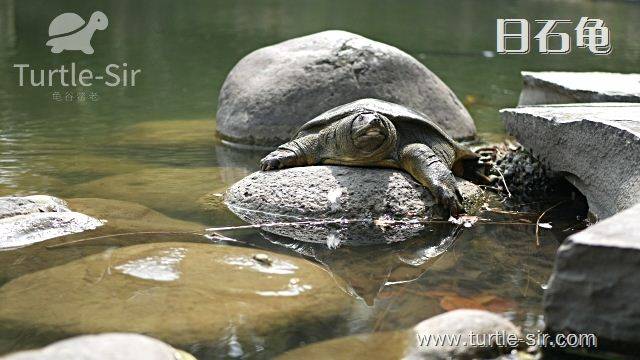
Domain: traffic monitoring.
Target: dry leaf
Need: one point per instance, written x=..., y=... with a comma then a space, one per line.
x=458, y=302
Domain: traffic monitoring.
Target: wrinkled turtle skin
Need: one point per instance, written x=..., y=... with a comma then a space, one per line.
x=376, y=133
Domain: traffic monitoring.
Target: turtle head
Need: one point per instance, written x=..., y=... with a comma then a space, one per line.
x=99, y=20
x=370, y=131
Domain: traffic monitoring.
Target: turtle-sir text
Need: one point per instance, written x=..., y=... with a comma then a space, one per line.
x=114, y=75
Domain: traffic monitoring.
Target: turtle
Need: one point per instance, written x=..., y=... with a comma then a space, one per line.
x=377, y=133
x=69, y=32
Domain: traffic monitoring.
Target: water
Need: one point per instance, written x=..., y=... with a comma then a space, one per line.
x=153, y=144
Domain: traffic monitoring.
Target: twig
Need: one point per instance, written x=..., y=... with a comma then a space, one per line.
x=123, y=234
x=351, y=221
x=540, y=218
x=503, y=180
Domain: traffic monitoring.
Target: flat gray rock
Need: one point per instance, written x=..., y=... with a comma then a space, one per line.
x=463, y=323
x=109, y=346
x=595, y=146
x=558, y=87
x=595, y=282
x=272, y=91
x=316, y=193
x=31, y=219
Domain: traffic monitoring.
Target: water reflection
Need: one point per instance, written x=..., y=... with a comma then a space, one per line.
x=367, y=270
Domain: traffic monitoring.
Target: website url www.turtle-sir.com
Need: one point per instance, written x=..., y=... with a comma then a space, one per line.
x=510, y=340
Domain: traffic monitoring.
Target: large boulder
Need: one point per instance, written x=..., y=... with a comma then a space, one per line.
x=333, y=193
x=595, y=146
x=31, y=219
x=559, y=87
x=595, y=282
x=272, y=91
x=205, y=298
x=414, y=343
x=110, y=346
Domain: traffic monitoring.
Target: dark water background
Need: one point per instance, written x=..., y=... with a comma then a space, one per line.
x=148, y=143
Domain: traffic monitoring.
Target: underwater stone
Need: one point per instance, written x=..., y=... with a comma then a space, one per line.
x=557, y=87
x=595, y=282
x=595, y=146
x=110, y=346
x=340, y=192
x=272, y=91
x=170, y=190
x=405, y=345
x=194, y=296
x=31, y=219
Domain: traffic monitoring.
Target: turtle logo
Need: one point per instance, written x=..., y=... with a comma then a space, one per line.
x=69, y=32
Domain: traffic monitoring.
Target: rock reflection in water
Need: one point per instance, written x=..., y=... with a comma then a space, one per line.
x=367, y=270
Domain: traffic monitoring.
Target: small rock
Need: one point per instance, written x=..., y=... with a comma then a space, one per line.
x=31, y=219
x=482, y=344
x=263, y=259
x=272, y=91
x=109, y=346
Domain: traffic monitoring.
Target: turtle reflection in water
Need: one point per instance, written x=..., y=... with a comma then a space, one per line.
x=377, y=133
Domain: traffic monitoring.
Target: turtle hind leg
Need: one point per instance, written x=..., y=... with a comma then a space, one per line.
x=424, y=165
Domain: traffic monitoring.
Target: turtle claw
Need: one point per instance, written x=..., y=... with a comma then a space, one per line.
x=449, y=198
x=278, y=159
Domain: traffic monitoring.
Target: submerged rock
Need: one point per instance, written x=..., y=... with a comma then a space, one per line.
x=31, y=219
x=167, y=133
x=558, y=87
x=595, y=282
x=131, y=222
x=595, y=146
x=205, y=298
x=406, y=344
x=126, y=216
x=271, y=92
x=170, y=190
x=110, y=346
x=378, y=345
x=366, y=196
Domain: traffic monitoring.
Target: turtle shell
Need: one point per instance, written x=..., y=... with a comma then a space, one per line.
x=411, y=126
x=65, y=23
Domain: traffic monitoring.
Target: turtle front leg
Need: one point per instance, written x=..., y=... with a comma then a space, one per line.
x=426, y=167
x=299, y=152
x=280, y=159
